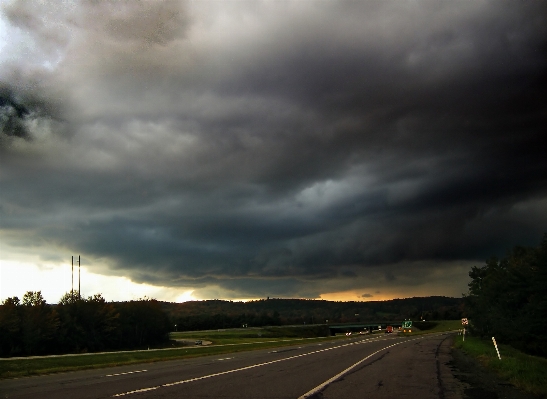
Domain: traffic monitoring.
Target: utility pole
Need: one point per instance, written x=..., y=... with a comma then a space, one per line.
x=72, y=288
x=79, y=296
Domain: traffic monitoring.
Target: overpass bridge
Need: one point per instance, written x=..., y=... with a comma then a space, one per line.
x=369, y=326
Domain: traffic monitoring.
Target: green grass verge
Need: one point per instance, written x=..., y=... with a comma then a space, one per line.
x=526, y=372
x=48, y=365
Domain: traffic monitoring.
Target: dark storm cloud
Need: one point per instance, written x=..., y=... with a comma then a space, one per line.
x=25, y=116
x=290, y=148
x=12, y=115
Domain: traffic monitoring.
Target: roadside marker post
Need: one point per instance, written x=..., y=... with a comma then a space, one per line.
x=465, y=322
x=496, y=346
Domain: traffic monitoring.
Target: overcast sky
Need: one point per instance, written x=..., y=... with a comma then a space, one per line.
x=355, y=150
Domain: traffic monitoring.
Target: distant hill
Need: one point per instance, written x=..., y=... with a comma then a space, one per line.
x=213, y=314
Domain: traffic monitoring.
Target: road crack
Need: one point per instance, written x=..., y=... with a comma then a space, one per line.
x=438, y=363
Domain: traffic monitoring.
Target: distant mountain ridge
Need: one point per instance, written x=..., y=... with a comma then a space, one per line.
x=195, y=315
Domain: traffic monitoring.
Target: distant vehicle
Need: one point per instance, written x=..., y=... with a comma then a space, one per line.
x=389, y=330
x=198, y=342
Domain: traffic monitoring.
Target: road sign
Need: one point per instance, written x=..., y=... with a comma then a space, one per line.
x=407, y=324
x=465, y=321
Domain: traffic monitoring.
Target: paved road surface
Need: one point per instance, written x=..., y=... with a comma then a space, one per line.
x=371, y=367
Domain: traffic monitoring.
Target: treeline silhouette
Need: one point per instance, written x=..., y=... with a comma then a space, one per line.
x=77, y=325
x=217, y=314
x=508, y=299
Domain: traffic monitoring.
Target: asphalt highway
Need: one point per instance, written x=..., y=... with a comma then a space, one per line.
x=361, y=367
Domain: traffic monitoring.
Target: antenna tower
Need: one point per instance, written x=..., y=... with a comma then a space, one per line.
x=79, y=296
x=72, y=289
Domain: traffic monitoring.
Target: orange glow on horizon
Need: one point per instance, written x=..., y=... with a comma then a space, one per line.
x=356, y=296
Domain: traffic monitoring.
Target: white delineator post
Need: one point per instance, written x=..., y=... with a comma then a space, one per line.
x=465, y=322
x=496, y=346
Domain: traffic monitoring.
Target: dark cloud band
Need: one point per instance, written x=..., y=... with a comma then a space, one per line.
x=285, y=147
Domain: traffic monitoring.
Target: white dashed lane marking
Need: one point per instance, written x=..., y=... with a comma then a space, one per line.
x=128, y=372
x=241, y=369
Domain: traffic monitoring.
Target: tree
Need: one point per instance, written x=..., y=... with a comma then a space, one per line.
x=39, y=323
x=32, y=298
x=87, y=324
x=507, y=298
x=10, y=326
x=143, y=322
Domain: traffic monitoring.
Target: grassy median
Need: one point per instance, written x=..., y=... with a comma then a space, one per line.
x=526, y=372
x=47, y=365
x=10, y=368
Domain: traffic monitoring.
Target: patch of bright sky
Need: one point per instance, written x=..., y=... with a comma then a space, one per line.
x=3, y=33
x=54, y=281
x=17, y=44
x=12, y=43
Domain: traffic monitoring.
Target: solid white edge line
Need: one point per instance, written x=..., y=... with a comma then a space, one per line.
x=339, y=375
x=322, y=386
